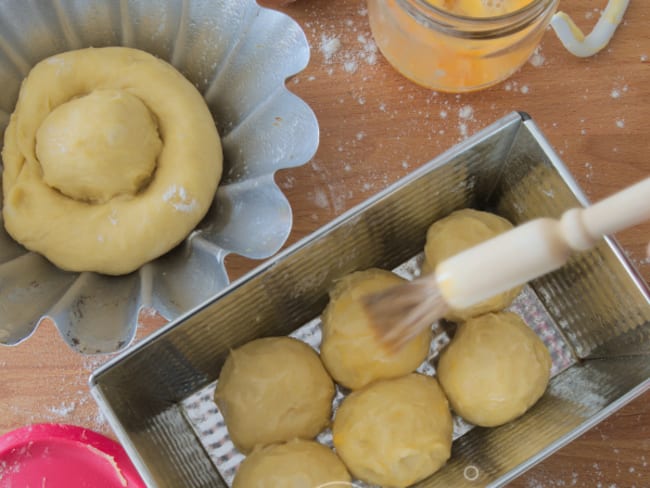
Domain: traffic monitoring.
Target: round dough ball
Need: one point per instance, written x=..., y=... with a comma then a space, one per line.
x=96, y=162
x=350, y=348
x=93, y=206
x=394, y=432
x=494, y=369
x=296, y=464
x=459, y=231
x=273, y=390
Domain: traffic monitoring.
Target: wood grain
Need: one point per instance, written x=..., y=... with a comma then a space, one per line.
x=376, y=127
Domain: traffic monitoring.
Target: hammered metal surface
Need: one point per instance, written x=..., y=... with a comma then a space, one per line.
x=238, y=55
x=210, y=428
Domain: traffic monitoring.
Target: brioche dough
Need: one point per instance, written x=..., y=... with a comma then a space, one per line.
x=494, y=369
x=459, y=231
x=120, y=152
x=394, y=432
x=111, y=158
x=273, y=390
x=296, y=464
x=350, y=349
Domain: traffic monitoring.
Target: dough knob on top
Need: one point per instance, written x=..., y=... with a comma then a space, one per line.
x=99, y=146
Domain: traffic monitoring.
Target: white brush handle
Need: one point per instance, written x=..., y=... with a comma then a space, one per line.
x=537, y=247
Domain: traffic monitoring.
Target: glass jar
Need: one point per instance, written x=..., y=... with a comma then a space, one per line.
x=454, y=53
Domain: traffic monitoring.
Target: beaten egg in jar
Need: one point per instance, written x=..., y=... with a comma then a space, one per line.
x=458, y=45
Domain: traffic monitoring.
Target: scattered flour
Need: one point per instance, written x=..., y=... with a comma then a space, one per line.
x=514, y=87
x=350, y=66
x=289, y=182
x=617, y=92
x=348, y=55
x=537, y=59
x=465, y=115
x=346, y=47
x=620, y=123
x=63, y=410
x=369, y=50
x=466, y=112
x=320, y=199
x=644, y=58
x=112, y=218
x=178, y=198
x=329, y=46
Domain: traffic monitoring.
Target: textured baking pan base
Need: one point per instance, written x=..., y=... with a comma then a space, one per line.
x=208, y=423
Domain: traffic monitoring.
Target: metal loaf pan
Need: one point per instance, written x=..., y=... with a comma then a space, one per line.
x=597, y=303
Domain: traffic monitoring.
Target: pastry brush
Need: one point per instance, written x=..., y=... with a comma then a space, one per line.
x=533, y=249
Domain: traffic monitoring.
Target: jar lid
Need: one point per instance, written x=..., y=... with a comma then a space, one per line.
x=60, y=456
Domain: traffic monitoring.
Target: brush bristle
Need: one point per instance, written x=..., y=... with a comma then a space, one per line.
x=400, y=313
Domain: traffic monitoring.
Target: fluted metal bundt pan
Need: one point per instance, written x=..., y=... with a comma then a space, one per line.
x=238, y=55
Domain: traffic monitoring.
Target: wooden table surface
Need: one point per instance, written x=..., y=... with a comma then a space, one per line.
x=377, y=127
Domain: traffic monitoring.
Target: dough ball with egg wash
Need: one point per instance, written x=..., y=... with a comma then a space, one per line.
x=273, y=390
x=350, y=348
x=494, y=369
x=394, y=432
x=295, y=464
x=457, y=232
